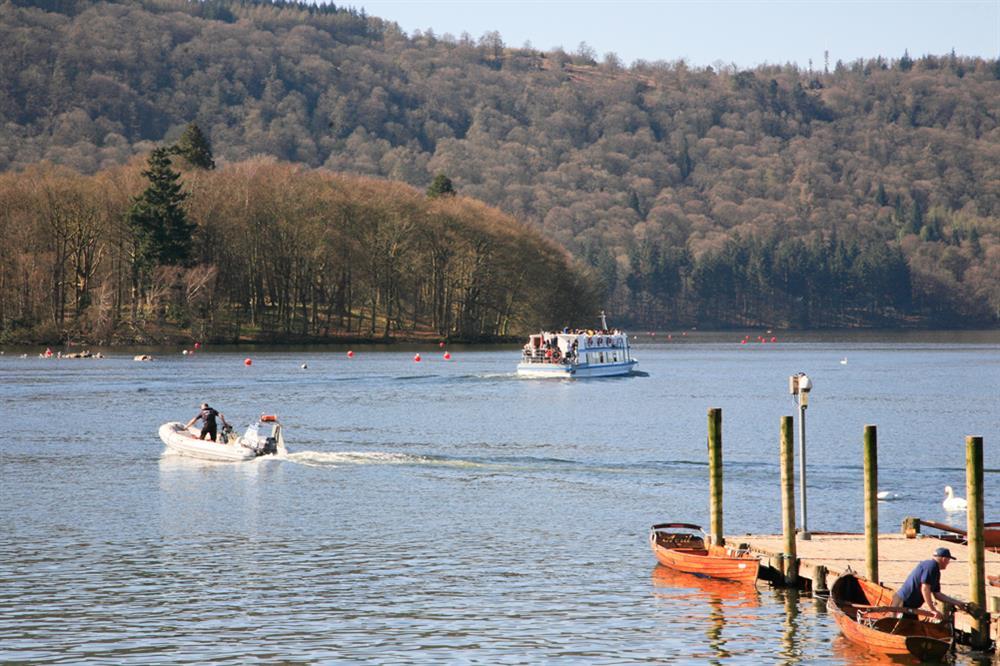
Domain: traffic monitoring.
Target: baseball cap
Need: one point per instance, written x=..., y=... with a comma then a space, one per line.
x=943, y=552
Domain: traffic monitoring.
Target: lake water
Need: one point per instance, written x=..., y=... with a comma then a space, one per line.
x=447, y=511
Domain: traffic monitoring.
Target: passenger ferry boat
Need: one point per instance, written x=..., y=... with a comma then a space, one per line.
x=577, y=353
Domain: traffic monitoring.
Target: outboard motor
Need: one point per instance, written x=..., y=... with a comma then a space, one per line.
x=260, y=445
x=268, y=446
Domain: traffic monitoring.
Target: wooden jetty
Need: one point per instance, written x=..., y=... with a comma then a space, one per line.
x=813, y=561
x=826, y=556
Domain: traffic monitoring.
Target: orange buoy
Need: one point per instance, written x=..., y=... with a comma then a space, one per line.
x=416, y=358
x=447, y=356
x=268, y=418
x=247, y=361
x=350, y=354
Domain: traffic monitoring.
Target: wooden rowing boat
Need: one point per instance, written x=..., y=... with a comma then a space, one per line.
x=991, y=533
x=863, y=611
x=686, y=551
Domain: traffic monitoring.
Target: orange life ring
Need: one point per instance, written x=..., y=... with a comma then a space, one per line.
x=268, y=418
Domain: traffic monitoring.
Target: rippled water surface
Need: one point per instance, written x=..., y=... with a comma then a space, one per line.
x=447, y=511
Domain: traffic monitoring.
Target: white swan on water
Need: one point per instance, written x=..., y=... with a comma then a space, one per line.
x=952, y=503
x=886, y=495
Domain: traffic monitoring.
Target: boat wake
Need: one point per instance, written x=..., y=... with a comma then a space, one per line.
x=342, y=458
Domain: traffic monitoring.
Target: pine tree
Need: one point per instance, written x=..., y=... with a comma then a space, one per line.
x=684, y=161
x=160, y=225
x=195, y=147
x=441, y=187
x=633, y=202
x=906, y=62
x=881, y=198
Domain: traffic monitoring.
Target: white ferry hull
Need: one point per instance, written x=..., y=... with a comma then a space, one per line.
x=569, y=371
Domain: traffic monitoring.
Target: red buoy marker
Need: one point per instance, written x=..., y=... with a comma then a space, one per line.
x=447, y=356
x=416, y=358
x=350, y=354
x=441, y=344
x=197, y=345
x=247, y=361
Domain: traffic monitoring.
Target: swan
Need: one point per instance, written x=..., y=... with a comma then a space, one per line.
x=952, y=503
x=843, y=361
x=886, y=495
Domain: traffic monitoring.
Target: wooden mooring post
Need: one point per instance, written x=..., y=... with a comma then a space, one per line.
x=977, y=544
x=790, y=563
x=871, y=502
x=715, y=475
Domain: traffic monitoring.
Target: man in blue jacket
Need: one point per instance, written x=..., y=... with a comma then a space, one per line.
x=923, y=585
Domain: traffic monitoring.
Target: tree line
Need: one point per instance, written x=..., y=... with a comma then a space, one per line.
x=262, y=250
x=882, y=156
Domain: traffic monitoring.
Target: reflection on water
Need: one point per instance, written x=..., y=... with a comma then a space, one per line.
x=740, y=595
x=721, y=610
x=851, y=653
x=789, y=635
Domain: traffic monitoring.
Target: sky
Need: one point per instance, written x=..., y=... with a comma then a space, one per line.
x=746, y=33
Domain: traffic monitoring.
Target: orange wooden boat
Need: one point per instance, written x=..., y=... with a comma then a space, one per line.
x=863, y=612
x=687, y=552
x=991, y=533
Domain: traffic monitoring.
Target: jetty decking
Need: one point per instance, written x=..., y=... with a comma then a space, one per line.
x=835, y=553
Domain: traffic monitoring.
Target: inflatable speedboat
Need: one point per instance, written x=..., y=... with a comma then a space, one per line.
x=230, y=447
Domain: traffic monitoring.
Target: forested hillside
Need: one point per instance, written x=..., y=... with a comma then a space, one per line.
x=867, y=193
x=266, y=251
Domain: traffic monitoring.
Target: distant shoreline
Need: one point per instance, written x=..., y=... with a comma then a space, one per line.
x=644, y=337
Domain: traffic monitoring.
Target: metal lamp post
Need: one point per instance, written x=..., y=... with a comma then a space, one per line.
x=799, y=385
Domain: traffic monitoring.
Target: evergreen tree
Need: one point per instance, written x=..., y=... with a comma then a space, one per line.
x=916, y=221
x=441, y=187
x=156, y=217
x=633, y=202
x=974, y=244
x=880, y=196
x=906, y=62
x=195, y=147
x=684, y=161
